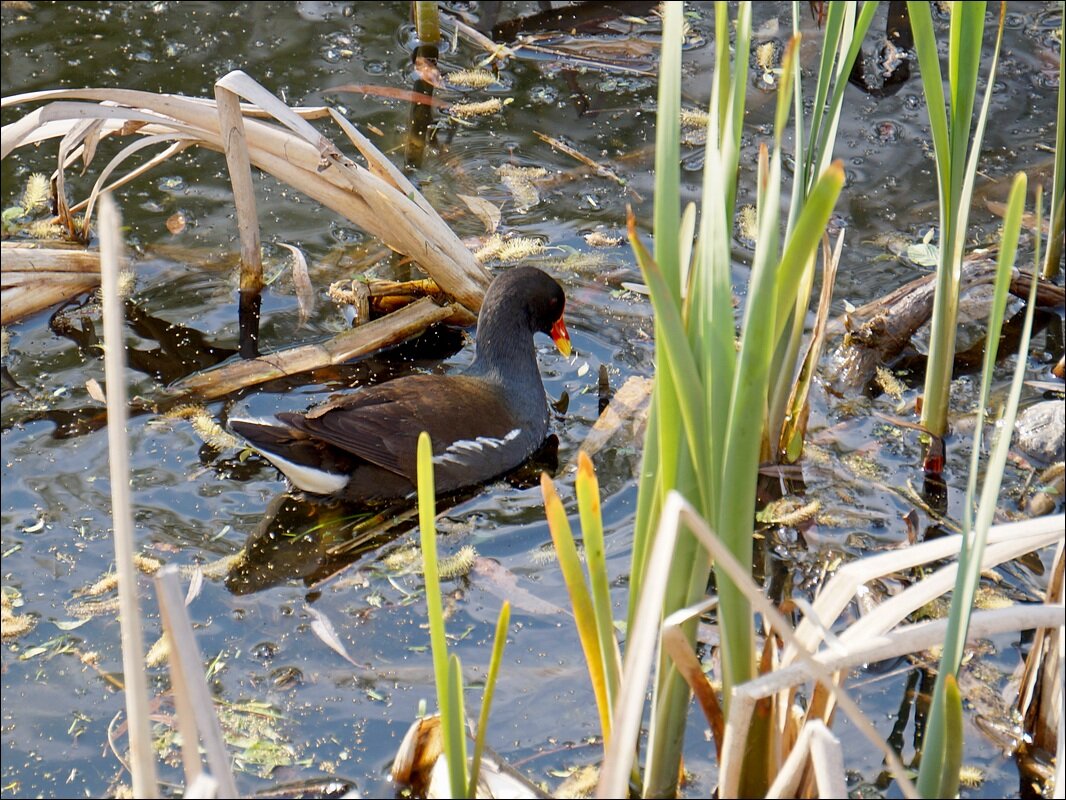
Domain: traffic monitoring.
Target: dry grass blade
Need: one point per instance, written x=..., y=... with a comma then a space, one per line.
x=305, y=292
x=378, y=199
x=577, y=155
x=902, y=641
x=688, y=664
x=477, y=38
x=368, y=338
x=89, y=128
x=822, y=748
x=197, y=720
x=142, y=756
x=1005, y=542
x=639, y=654
x=149, y=141
x=324, y=630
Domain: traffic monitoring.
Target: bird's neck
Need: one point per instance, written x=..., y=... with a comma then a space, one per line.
x=505, y=355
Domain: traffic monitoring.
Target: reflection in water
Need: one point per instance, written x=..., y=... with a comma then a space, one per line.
x=251, y=301
x=182, y=351
x=888, y=69
x=424, y=59
x=586, y=18
x=311, y=541
x=293, y=543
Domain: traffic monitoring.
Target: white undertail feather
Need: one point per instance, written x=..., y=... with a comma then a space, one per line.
x=309, y=479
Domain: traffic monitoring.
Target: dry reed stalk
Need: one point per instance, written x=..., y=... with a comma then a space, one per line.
x=368, y=338
x=378, y=197
x=142, y=755
x=34, y=277
x=197, y=721
x=1040, y=693
x=235, y=146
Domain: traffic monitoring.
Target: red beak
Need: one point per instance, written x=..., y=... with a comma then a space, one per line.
x=561, y=336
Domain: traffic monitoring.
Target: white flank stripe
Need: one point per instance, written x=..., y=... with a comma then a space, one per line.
x=457, y=452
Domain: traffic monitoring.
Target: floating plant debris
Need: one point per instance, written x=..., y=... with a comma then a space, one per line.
x=788, y=512
x=488, y=213
x=38, y=193
x=13, y=625
x=404, y=559
x=471, y=78
x=747, y=225
x=693, y=127
x=599, y=239
x=158, y=653
x=93, y=608
x=971, y=776
x=205, y=426
x=482, y=108
x=519, y=181
x=506, y=250
x=458, y=564
x=583, y=262
x=767, y=57
x=891, y=385
x=694, y=118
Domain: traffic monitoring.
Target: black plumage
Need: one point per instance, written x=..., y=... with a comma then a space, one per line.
x=483, y=422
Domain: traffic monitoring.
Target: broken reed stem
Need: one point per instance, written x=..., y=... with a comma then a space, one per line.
x=235, y=146
x=393, y=329
x=142, y=755
x=35, y=277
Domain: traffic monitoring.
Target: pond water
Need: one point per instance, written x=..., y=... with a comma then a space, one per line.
x=194, y=505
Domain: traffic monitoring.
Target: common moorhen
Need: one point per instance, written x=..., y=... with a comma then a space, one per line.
x=483, y=422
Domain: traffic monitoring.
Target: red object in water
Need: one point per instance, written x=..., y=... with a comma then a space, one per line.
x=933, y=463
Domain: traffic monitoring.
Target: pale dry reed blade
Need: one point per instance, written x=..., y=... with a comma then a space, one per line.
x=142, y=755
x=819, y=746
x=900, y=642
x=305, y=291
x=1005, y=542
x=378, y=199
x=32, y=257
x=235, y=146
x=197, y=720
x=34, y=277
x=1041, y=687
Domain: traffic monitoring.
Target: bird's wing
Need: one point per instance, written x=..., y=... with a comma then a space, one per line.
x=467, y=421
